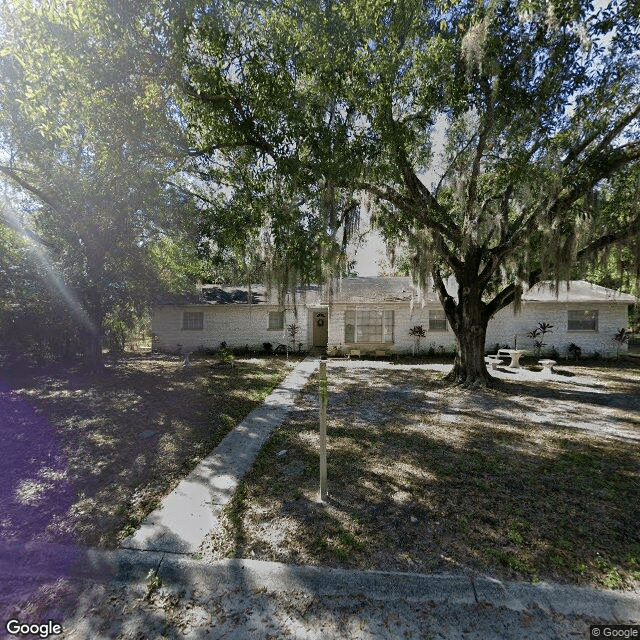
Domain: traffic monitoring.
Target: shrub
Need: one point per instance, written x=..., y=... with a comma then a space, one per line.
x=537, y=335
x=224, y=355
x=574, y=351
x=417, y=333
x=268, y=348
x=292, y=330
x=620, y=338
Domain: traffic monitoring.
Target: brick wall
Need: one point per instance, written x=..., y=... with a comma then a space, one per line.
x=237, y=325
x=502, y=327
x=404, y=319
x=611, y=318
x=247, y=325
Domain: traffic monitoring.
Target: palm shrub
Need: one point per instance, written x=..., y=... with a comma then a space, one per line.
x=537, y=335
x=292, y=330
x=574, y=351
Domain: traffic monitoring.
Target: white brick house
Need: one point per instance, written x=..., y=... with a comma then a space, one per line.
x=220, y=314
x=376, y=313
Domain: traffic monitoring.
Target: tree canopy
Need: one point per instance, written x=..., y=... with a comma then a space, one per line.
x=498, y=142
x=87, y=141
x=480, y=134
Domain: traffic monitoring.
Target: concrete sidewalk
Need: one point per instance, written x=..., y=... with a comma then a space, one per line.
x=191, y=510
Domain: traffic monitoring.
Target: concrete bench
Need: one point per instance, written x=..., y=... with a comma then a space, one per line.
x=494, y=361
x=514, y=354
x=354, y=352
x=547, y=365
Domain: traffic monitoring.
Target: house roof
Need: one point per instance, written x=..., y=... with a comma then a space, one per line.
x=216, y=294
x=574, y=291
x=386, y=289
x=373, y=289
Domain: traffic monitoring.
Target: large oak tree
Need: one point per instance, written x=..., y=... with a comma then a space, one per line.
x=480, y=133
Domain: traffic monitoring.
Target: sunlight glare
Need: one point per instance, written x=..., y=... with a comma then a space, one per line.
x=38, y=252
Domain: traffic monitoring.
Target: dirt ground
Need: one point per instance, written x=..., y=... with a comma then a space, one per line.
x=536, y=480
x=86, y=457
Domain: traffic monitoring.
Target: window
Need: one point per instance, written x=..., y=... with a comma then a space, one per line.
x=582, y=320
x=437, y=320
x=368, y=326
x=276, y=320
x=192, y=320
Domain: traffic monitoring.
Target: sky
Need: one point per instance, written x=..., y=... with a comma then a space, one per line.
x=373, y=251
x=370, y=254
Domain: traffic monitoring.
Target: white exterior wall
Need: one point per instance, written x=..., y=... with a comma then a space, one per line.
x=237, y=325
x=247, y=325
x=611, y=318
x=403, y=320
x=502, y=327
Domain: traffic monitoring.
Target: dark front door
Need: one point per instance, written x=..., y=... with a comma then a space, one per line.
x=320, y=328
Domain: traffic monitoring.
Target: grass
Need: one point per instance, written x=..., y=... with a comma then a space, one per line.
x=423, y=479
x=91, y=455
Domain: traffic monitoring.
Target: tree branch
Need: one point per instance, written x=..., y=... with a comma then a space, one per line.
x=253, y=140
x=31, y=235
x=472, y=190
x=600, y=243
x=598, y=166
x=404, y=204
x=447, y=302
x=508, y=294
x=207, y=97
x=617, y=128
x=416, y=188
x=38, y=193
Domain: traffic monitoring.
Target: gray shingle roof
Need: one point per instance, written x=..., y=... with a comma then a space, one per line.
x=577, y=291
x=215, y=294
x=383, y=289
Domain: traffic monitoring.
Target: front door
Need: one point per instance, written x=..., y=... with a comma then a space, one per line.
x=320, y=328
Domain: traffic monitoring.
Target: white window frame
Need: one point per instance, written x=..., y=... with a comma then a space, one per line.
x=584, y=311
x=192, y=320
x=446, y=323
x=355, y=318
x=276, y=321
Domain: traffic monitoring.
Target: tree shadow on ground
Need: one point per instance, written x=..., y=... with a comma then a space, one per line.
x=421, y=479
x=89, y=455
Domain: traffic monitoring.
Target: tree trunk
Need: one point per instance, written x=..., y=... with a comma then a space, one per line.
x=94, y=309
x=92, y=338
x=93, y=360
x=469, y=320
x=469, y=368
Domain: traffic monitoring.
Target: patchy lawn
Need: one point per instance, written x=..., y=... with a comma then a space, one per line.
x=537, y=480
x=89, y=456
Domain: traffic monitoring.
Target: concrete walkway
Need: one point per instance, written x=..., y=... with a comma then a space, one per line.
x=191, y=510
